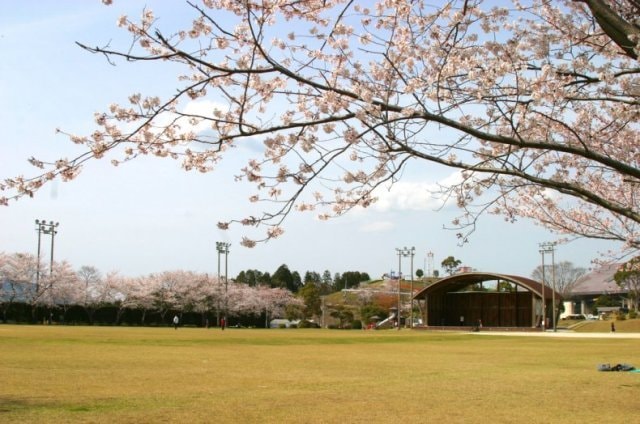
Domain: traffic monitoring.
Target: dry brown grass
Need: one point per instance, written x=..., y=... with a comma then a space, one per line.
x=98, y=374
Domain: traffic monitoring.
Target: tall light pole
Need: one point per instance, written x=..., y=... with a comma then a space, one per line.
x=49, y=228
x=544, y=311
x=553, y=285
x=412, y=253
x=399, y=251
x=405, y=252
x=545, y=248
x=223, y=247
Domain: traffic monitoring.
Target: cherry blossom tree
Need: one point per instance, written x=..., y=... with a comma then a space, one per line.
x=211, y=296
x=183, y=291
x=197, y=292
x=274, y=301
x=184, y=286
x=148, y=295
x=191, y=294
x=244, y=299
x=628, y=277
x=22, y=270
x=128, y=293
x=17, y=279
x=58, y=288
x=96, y=291
x=536, y=104
x=66, y=288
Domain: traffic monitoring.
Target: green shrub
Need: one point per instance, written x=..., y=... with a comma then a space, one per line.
x=633, y=314
x=356, y=324
x=282, y=325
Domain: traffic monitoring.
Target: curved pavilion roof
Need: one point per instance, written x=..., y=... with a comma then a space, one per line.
x=457, y=282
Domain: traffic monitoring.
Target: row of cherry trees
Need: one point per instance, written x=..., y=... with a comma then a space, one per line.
x=60, y=286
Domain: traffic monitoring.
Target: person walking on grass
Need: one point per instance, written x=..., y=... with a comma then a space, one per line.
x=176, y=321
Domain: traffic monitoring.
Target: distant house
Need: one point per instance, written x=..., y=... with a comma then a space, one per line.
x=590, y=286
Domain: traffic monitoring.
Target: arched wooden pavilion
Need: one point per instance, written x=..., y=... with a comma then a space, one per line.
x=488, y=299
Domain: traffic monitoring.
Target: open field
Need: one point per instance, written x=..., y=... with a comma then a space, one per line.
x=116, y=375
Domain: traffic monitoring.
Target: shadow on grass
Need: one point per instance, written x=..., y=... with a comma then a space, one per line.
x=9, y=404
x=44, y=407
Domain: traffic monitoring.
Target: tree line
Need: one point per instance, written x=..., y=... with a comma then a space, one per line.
x=285, y=278
x=34, y=291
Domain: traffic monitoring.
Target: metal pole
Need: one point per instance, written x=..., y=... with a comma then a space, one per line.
x=399, y=277
x=544, y=306
x=544, y=249
x=411, y=294
x=53, y=236
x=218, y=250
x=38, y=223
x=49, y=229
x=223, y=247
x=226, y=281
x=553, y=285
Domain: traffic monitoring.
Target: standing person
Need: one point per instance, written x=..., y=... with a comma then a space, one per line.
x=613, y=327
x=176, y=321
x=223, y=322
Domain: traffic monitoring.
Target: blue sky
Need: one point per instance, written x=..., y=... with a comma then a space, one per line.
x=150, y=216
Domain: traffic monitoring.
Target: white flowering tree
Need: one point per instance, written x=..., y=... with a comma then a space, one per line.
x=32, y=280
x=17, y=280
x=274, y=301
x=67, y=289
x=208, y=295
x=244, y=300
x=536, y=103
x=96, y=291
x=128, y=293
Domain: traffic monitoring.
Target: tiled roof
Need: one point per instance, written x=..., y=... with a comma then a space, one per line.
x=599, y=281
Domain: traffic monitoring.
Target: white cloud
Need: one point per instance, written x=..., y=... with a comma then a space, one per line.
x=414, y=196
x=201, y=108
x=377, y=227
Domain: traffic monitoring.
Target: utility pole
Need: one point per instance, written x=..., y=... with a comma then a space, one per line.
x=48, y=228
x=399, y=251
x=412, y=253
x=549, y=247
x=223, y=247
x=404, y=252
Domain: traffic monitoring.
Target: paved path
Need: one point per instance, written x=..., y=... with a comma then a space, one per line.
x=559, y=333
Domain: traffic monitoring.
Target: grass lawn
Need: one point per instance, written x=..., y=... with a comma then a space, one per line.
x=148, y=375
x=626, y=326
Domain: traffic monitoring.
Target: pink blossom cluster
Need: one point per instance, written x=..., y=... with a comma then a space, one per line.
x=160, y=292
x=536, y=103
